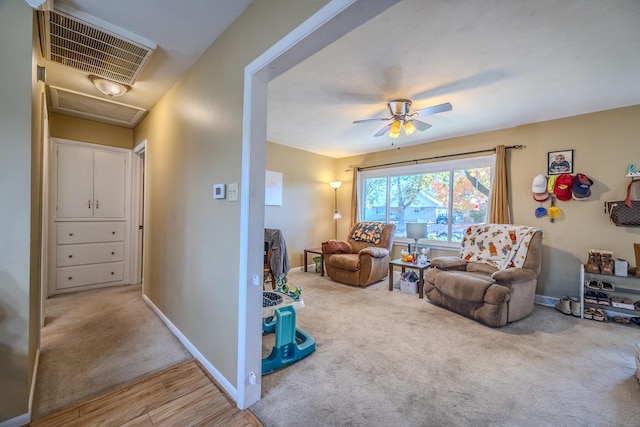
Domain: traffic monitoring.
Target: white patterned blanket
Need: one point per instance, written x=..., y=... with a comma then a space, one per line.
x=500, y=245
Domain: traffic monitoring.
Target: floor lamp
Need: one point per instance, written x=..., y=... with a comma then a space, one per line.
x=336, y=215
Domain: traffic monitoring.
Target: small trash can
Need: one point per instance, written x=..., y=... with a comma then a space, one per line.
x=318, y=261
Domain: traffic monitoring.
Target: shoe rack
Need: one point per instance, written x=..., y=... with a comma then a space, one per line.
x=625, y=287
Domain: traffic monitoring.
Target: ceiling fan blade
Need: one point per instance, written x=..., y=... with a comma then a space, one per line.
x=433, y=110
x=420, y=125
x=383, y=130
x=379, y=119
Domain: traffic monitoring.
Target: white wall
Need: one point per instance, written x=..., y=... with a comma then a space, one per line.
x=15, y=197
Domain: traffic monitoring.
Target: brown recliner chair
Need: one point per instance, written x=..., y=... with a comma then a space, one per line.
x=362, y=260
x=474, y=286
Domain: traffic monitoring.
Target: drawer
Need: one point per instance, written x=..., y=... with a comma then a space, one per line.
x=72, y=277
x=89, y=232
x=94, y=253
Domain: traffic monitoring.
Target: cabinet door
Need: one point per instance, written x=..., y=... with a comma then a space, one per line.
x=109, y=184
x=75, y=182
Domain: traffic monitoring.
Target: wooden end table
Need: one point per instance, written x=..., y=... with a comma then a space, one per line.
x=404, y=265
x=317, y=251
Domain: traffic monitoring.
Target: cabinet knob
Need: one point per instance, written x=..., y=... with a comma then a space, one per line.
x=70, y=256
x=113, y=253
x=113, y=232
x=70, y=234
x=112, y=273
x=89, y=204
x=70, y=278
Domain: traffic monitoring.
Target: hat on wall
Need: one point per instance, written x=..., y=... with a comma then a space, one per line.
x=551, y=183
x=563, y=187
x=539, y=188
x=581, y=187
x=540, y=212
x=554, y=212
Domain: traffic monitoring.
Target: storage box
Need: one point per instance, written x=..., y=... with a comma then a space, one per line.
x=622, y=305
x=408, y=287
x=621, y=267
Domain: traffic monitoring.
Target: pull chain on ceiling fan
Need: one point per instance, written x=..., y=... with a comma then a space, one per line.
x=403, y=119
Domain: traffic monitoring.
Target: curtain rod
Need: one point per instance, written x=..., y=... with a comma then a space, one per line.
x=444, y=156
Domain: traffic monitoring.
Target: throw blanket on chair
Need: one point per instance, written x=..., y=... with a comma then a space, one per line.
x=499, y=245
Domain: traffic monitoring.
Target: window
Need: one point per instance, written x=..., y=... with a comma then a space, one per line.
x=448, y=196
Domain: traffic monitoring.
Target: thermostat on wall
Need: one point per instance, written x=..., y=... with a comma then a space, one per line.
x=219, y=191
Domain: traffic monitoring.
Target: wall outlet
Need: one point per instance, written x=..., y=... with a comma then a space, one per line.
x=232, y=192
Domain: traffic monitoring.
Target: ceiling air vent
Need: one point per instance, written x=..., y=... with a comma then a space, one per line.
x=70, y=41
x=89, y=107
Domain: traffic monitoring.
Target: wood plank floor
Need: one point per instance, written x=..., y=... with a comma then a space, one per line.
x=183, y=395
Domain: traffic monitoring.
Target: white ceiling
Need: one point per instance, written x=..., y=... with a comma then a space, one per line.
x=500, y=63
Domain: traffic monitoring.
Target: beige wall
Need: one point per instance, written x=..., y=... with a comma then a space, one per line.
x=76, y=129
x=16, y=85
x=306, y=214
x=604, y=144
x=194, y=141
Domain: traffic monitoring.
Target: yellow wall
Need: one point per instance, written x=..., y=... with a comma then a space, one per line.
x=306, y=214
x=604, y=143
x=76, y=129
x=194, y=139
x=16, y=87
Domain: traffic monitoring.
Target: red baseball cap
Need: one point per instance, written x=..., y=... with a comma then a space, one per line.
x=563, y=187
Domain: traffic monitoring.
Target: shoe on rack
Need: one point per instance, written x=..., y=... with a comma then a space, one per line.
x=603, y=299
x=575, y=306
x=591, y=297
x=593, y=284
x=593, y=264
x=636, y=305
x=564, y=305
x=588, y=313
x=599, y=315
x=606, y=263
x=607, y=286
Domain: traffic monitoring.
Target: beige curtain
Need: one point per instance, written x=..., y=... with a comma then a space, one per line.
x=354, y=198
x=499, y=204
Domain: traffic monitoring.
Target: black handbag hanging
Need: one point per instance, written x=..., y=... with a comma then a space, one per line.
x=625, y=213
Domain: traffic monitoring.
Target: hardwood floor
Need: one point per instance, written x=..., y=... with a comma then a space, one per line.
x=183, y=395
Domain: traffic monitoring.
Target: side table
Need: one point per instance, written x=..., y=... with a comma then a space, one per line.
x=317, y=251
x=415, y=266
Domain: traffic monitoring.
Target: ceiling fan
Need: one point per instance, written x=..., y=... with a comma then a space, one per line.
x=401, y=117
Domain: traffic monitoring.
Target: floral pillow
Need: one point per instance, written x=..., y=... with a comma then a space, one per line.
x=370, y=232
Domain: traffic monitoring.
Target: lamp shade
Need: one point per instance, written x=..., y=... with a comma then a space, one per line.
x=394, y=130
x=416, y=230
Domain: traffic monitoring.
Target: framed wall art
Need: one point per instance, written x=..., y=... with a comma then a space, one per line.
x=560, y=162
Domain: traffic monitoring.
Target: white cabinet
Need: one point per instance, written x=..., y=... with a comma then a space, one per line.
x=90, y=183
x=89, y=224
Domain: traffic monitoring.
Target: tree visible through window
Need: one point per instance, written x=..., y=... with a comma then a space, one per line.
x=448, y=196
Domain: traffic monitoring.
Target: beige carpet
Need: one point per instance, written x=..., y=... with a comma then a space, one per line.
x=96, y=340
x=391, y=359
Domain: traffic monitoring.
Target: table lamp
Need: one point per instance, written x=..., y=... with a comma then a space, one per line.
x=415, y=231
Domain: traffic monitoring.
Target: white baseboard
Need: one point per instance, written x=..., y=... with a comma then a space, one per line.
x=232, y=391
x=19, y=421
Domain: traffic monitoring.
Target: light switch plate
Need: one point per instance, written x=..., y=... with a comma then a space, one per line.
x=233, y=192
x=219, y=191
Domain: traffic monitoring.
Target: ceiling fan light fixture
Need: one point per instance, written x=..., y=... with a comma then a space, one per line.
x=110, y=88
x=409, y=127
x=394, y=130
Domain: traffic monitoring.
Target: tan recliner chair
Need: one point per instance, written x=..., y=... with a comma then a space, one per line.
x=361, y=262
x=472, y=285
